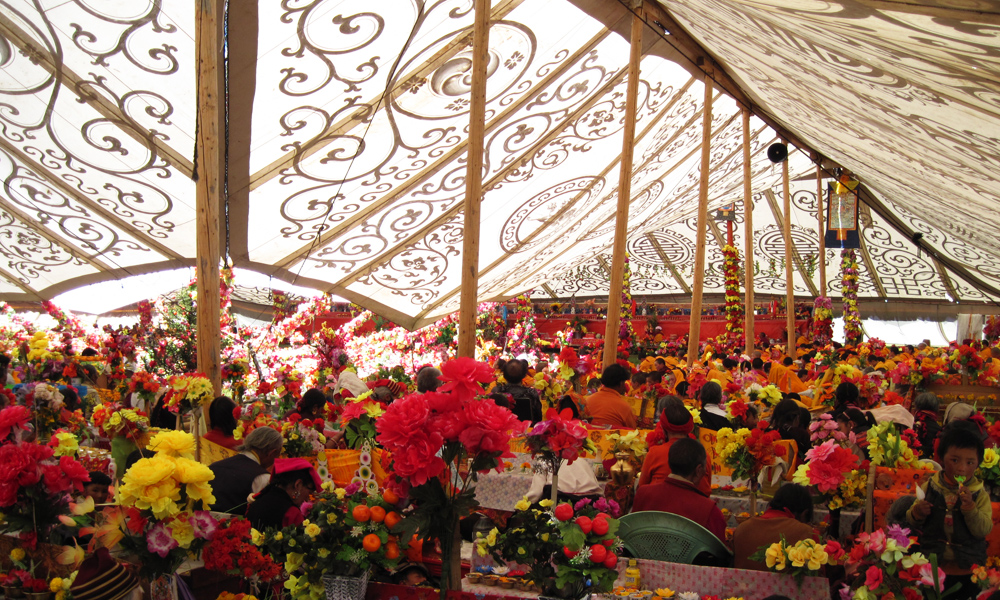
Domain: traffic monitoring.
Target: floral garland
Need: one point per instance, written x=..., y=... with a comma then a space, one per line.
x=626, y=335
x=523, y=336
x=734, y=304
x=849, y=287
x=822, y=320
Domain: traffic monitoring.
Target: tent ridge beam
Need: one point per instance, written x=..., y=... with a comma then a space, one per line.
x=579, y=195
x=95, y=99
x=452, y=154
x=668, y=263
x=58, y=182
x=772, y=202
x=357, y=115
x=946, y=280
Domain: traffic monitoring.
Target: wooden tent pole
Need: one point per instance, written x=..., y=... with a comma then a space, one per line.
x=701, y=232
x=474, y=184
x=821, y=263
x=789, y=290
x=748, y=312
x=210, y=149
x=624, y=195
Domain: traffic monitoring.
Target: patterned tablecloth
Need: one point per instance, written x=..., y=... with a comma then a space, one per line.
x=501, y=491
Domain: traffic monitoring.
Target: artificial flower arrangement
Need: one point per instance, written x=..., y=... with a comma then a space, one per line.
x=188, y=392
x=34, y=483
x=769, y=394
x=987, y=577
x=989, y=468
x=747, y=452
x=251, y=416
x=303, y=437
x=288, y=386
x=825, y=427
x=235, y=374
x=822, y=325
x=116, y=421
x=46, y=403
x=734, y=301
x=232, y=551
x=163, y=515
x=632, y=443
x=432, y=435
x=531, y=539
x=64, y=443
x=550, y=389
x=826, y=467
x=802, y=559
x=346, y=532
x=588, y=562
x=571, y=366
x=559, y=437
x=881, y=564
x=357, y=420
x=966, y=358
x=891, y=449
x=145, y=385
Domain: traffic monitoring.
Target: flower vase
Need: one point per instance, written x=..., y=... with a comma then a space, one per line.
x=13, y=591
x=622, y=472
x=345, y=588
x=38, y=595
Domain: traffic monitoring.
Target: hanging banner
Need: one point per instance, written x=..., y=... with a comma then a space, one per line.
x=842, y=215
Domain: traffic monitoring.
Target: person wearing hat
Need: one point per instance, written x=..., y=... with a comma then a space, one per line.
x=277, y=505
x=103, y=578
x=412, y=574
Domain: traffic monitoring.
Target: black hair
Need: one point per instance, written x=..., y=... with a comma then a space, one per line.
x=785, y=414
x=514, y=371
x=71, y=400
x=796, y=499
x=682, y=388
x=88, y=351
x=99, y=478
x=804, y=416
x=863, y=421
x=673, y=410
x=788, y=361
x=711, y=393
x=220, y=414
x=961, y=434
x=638, y=378
x=685, y=455
x=500, y=400
x=660, y=361
x=728, y=363
x=614, y=375
x=757, y=363
x=567, y=402
x=654, y=377
x=847, y=393
x=311, y=400
x=4, y=361
x=288, y=478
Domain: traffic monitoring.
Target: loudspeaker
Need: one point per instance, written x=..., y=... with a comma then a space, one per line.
x=777, y=152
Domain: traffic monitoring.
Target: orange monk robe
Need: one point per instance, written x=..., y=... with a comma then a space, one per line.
x=785, y=380
x=723, y=377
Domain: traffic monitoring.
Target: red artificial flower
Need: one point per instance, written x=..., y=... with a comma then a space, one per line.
x=13, y=418
x=69, y=474
x=489, y=428
x=463, y=377
x=569, y=357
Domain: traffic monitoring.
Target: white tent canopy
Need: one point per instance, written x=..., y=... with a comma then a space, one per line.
x=347, y=142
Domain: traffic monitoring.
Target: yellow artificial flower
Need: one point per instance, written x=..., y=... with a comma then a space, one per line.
x=312, y=530
x=522, y=504
x=990, y=459
x=17, y=554
x=55, y=585
x=190, y=471
x=293, y=561
x=774, y=557
x=798, y=555
x=256, y=537
x=323, y=552
x=340, y=493
x=182, y=531
x=173, y=443
x=546, y=503
x=331, y=518
x=665, y=592
x=67, y=444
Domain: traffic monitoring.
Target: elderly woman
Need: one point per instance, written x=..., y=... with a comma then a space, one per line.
x=237, y=477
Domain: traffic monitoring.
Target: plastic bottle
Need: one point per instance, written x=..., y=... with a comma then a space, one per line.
x=633, y=578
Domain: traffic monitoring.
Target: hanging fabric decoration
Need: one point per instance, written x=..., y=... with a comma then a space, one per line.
x=842, y=214
x=849, y=287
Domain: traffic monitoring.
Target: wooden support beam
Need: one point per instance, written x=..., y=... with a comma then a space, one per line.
x=748, y=313
x=78, y=86
x=210, y=150
x=74, y=195
x=821, y=231
x=474, y=184
x=624, y=196
x=790, y=252
x=603, y=263
x=550, y=291
x=584, y=193
x=668, y=263
x=694, y=331
x=772, y=202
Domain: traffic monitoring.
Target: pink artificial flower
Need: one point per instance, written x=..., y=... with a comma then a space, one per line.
x=204, y=524
x=463, y=377
x=159, y=541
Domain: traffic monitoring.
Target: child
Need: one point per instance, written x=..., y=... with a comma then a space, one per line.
x=955, y=515
x=98, y=487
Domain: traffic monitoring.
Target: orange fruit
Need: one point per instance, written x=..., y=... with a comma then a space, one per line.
x=390, y=496
x=377, y=514
x=392, y=551
x=391, y=519
x=371, y=543
x=361, y=513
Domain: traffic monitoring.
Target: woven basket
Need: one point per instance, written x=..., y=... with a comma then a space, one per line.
x=345, y=588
